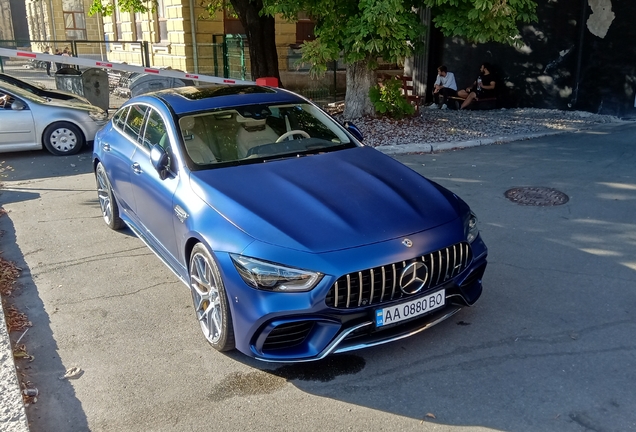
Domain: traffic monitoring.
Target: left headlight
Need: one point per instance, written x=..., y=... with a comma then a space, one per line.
x=98, y=115
x=470, y=227
x=274, y=277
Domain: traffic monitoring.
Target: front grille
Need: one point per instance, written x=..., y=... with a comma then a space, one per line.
x=287, y=335
x=381, y=284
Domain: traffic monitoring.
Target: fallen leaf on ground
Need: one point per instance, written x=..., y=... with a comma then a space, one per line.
x=72, y=373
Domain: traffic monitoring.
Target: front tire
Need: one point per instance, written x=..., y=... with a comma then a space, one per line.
x=210, y=299
x=63, y=139
x=107, y=201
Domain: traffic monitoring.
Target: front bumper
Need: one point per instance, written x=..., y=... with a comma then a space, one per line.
x=300, y=327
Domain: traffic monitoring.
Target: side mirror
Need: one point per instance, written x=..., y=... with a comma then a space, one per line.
x=160, y=160
x=18, y=105
x=353, y=129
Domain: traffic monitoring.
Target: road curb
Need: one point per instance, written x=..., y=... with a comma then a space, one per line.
x=12, y=413
x=445, y=146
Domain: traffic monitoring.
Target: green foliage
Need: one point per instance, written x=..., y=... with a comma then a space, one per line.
x=387, y=98
x=483, y=20
x=391, y=29
x=107, y=7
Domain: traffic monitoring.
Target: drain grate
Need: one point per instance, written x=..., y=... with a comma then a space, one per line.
x=536, y=196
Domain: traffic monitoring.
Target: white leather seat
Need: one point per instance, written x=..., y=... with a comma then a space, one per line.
x=253, y=133
x=198, y=150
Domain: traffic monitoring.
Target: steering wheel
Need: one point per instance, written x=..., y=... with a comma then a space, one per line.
x=292, y=132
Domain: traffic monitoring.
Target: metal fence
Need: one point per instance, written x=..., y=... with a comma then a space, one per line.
x=227, y=56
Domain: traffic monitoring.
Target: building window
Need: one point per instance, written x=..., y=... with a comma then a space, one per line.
x=231, y=24
x=138, y=28
x=162, y=21
x=74, y=19
x=118, y=31
x=304, y=28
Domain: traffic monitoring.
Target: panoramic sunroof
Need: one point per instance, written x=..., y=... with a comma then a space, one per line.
x=213, y=91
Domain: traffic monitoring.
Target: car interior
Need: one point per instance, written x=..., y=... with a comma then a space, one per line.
x=252, y=132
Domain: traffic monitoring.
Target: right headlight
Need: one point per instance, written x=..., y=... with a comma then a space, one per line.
x=98, y=115
x=270, y=276
x=470, y=227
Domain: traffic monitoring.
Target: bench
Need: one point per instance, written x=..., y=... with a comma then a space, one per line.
x=409, y=93
x=454, y=102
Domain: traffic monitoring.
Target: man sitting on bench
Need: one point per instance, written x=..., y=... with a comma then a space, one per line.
x=483, y=88
x=445, y=87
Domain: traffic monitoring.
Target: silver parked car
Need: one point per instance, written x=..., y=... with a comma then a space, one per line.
x=41, y=90
x=31, y=122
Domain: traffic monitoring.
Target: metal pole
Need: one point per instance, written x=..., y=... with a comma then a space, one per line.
x=195, y=53
x=52, y=20
x=579, y=57
x=144, y=47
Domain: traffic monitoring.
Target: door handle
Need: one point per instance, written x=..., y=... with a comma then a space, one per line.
x=136, y=168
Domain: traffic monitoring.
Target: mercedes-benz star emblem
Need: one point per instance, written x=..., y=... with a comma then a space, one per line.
x=413, y=278
x=407, y=242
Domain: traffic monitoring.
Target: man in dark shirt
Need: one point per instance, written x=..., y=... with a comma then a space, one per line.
x=483, y=88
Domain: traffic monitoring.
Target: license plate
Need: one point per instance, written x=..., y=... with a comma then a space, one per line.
x=411, y=309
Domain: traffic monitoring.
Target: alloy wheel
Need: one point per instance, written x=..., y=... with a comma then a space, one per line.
x=206, y=298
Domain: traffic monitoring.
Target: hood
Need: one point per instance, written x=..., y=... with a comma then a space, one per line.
x=74, y=103
x=326, y=202
x=66, y=95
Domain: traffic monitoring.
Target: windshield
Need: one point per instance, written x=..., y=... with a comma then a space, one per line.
x=258, y=133
x=21, y=93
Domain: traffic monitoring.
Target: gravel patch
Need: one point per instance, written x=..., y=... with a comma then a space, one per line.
x=446, y=126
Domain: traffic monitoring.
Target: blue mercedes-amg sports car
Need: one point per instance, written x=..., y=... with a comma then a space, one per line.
x=295, y=239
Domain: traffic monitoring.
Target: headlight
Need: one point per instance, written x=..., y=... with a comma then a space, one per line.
x=470, y=227
x=273, y=277
x=98, y=115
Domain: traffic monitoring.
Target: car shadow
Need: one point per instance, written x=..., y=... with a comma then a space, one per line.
x=45, y=369
x=30, y=165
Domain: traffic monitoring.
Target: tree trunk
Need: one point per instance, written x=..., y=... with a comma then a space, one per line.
x=261, y=37
x=359, y=81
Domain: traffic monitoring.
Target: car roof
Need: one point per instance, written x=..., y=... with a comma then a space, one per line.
x=192, y=99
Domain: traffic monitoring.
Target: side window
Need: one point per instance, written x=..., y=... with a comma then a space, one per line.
x=135, y=121
x=5, y=101
x=156, y=132
x=120, y=117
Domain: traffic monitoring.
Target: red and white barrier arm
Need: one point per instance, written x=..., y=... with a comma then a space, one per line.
x=78, y=61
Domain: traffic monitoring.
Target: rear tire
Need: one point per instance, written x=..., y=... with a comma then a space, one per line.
x=63, y=139
x=107, y=201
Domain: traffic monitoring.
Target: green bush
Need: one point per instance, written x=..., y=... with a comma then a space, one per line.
x=387, y=98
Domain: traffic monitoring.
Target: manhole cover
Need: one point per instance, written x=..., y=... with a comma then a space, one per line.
x=536, y=196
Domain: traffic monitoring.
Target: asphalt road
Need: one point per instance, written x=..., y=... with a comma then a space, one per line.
x=550, y=346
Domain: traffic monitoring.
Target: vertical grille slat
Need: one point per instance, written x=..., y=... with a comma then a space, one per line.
x=372, y=274
x=394, y=282
x=361, y=286
x=363, y=289
x=383, y=284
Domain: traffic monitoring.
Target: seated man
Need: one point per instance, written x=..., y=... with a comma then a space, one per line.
x=445, y=87
x=482, y=88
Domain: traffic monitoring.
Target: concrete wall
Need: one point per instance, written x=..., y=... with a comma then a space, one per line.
x=589, y=42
